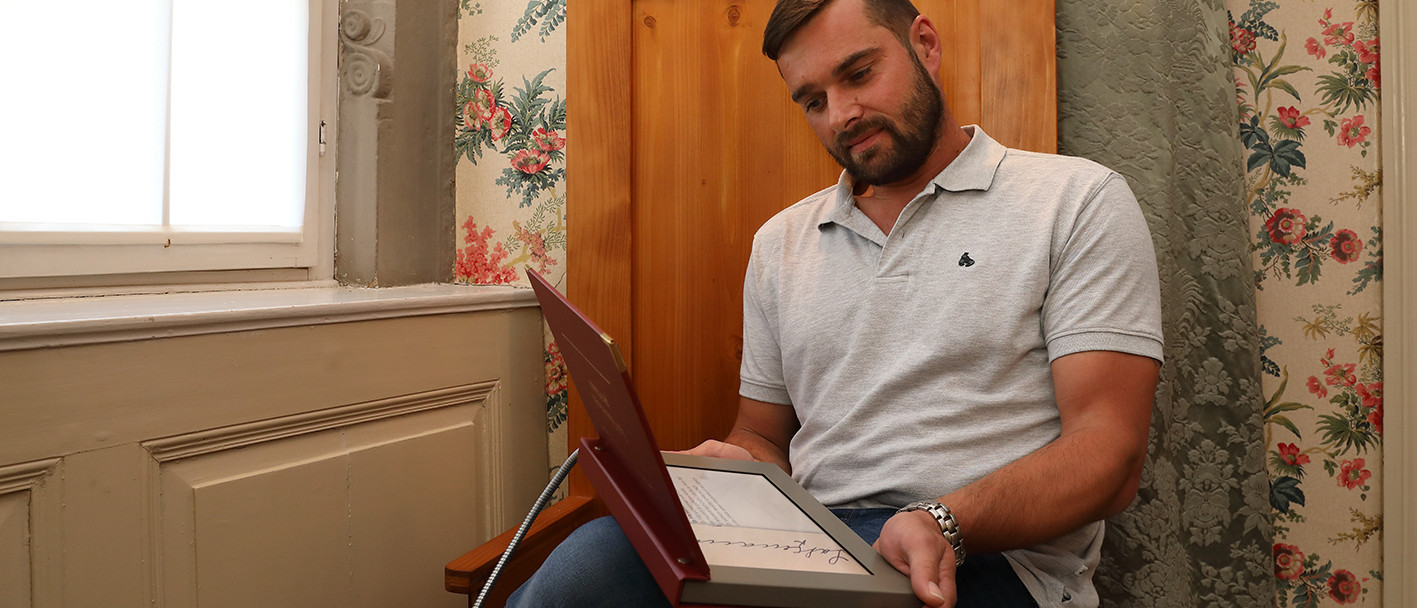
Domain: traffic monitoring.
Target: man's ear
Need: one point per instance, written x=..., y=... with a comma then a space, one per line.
x=925, y=41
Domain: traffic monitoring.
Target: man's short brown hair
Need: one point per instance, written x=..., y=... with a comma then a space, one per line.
x=790, y=15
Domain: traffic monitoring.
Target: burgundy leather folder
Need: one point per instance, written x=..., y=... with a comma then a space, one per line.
x=628, y=471
x=624, y=464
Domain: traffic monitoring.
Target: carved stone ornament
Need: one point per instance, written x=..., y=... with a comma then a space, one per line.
x=366, y=70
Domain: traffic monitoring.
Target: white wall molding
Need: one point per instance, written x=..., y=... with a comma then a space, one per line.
x=42, y=323
x=1398, y=23
x=215, y=440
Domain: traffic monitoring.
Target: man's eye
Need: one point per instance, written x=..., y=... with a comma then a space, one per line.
x=813, y=105
x=860, y=75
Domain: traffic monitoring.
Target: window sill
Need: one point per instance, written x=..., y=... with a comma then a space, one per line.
x=45, y=323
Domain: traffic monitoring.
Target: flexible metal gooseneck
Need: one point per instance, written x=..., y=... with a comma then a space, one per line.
x=526, y=523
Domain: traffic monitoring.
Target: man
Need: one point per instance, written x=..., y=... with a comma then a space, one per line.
x=962, y=328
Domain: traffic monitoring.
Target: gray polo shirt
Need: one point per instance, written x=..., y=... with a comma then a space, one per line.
x=918, y=361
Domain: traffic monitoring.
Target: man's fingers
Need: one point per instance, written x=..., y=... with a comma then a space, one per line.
x=924, y=580
x=718, y=449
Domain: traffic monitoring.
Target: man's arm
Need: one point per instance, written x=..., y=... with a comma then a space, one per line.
x=761, y=432
x=1090, y=472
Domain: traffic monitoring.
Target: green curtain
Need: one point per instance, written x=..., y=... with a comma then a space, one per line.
x=1145, y=87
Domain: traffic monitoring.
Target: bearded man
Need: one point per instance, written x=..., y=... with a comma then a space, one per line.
x=955, y=347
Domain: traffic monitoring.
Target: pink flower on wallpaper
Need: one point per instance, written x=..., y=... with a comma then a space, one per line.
x=1241, y=39
x=482, y=104
x=1286, y=226
x=1371, y=394
x=1289, y=453
x=1368, y=55
x=1375, y=418
x=480, y=264
x=501, y=123
x=1346, y=246
x=471, y=116
x=1317, y=388
x=1367, y=50
x=1288, y=562
x=1343, y=587
x=556, y=379
x=548, y=140
x=1352, y=132
x=535, y=246
x=530, y=161
x=1291, y=118
x=1339, y=33
x=479, y=72
x=1315, y=48
x=1352, y=474
x=1340, y=375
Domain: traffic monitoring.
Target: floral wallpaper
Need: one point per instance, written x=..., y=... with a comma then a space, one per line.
x=1308, y=84
x=511, y=171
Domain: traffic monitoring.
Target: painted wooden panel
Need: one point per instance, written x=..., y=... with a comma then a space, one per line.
x=15, y=549
x=210, y=470
x=328, y=510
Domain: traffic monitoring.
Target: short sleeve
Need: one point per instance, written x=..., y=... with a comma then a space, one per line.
x=1104, y=292
x=761, y=375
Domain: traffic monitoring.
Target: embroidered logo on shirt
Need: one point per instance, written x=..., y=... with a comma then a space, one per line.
x=965, y=260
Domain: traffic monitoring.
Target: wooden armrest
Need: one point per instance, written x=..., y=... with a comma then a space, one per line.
x=468, y=573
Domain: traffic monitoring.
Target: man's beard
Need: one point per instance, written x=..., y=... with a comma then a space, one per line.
x=913, y=139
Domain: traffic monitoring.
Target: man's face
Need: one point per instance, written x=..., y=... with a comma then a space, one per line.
x=869, y=99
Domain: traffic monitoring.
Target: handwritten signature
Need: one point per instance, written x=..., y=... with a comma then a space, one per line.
x=798, y=548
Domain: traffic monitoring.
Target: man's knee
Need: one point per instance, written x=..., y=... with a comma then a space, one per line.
x=595, y=566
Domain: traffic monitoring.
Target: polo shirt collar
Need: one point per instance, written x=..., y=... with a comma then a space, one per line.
x=973, y=169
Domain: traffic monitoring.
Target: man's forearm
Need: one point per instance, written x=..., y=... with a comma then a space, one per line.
x=762, y=448
x=1077, y=479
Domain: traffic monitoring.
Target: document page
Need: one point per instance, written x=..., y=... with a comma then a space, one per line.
x=741, y=519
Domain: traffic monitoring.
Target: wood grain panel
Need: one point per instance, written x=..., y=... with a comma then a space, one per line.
x=958, y=22
x=1019, y=74
x=711, y=123
x=598, y=247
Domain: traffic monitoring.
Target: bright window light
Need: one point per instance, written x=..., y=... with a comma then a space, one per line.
x=239, y=96
x=153, y=117
x=82, y=117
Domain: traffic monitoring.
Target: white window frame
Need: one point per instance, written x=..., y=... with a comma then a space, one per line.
x=67, y=258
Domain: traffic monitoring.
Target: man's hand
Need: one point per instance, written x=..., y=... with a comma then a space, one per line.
x=718, y=449
x=912, y=542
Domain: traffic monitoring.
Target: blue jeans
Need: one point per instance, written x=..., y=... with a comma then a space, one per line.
x=596, y=567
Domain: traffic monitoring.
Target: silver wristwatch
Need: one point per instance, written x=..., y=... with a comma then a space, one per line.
x=949, y=527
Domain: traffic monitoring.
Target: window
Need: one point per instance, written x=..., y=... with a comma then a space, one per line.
x=161, y=136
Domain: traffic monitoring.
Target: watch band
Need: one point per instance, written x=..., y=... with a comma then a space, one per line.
x=949, y=527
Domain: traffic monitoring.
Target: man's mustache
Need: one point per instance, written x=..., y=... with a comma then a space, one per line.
x=843, y=140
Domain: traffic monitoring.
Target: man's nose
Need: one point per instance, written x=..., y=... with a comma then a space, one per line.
x=844, y=108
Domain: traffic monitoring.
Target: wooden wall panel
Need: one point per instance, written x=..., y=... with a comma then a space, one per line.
x=719, y=150
x=1018, y=83
x=598, y=247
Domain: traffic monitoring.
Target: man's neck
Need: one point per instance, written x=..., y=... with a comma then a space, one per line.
x=883, y=203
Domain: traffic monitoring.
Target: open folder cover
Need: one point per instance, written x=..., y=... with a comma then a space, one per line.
x=711, y=531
